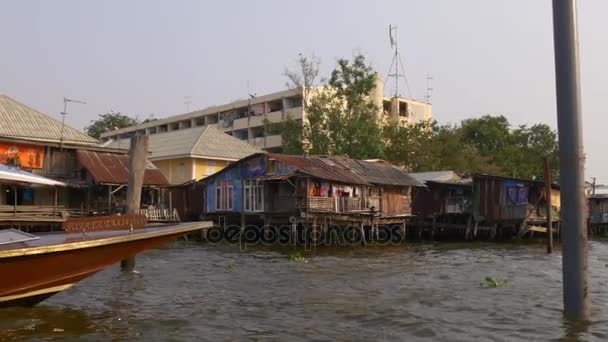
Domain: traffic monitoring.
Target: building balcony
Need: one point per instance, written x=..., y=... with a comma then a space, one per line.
x=258, y=120
x=268, y=142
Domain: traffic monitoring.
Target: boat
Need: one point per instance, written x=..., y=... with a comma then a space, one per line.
x=35, y=267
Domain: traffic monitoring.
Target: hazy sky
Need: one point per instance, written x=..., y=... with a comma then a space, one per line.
x=144, y=57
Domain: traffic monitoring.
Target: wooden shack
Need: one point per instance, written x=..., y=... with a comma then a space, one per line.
x=278, y=189
x=513, y=206
x=445, y=206
x=188, y=199
x=96, y=176
x=440, y=199
x=598, y=213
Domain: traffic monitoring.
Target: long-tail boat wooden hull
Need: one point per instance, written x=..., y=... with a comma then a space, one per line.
x=35, y=270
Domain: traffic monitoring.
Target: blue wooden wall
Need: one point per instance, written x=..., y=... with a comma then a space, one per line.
x=248, y=169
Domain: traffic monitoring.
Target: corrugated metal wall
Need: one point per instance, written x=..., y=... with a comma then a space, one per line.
x=493, y=204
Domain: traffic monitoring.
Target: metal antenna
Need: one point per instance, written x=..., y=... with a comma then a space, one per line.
x=63, y=114
x=395, y=72
x=187, y=102
x=429, y=90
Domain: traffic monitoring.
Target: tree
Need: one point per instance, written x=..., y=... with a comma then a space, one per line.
x=428, y=146
x=291, y=134
x=527, y=146
x=518, y=152
x=341, y=118
x=306, y=76
x=291, y=130
x=489, y=133
x=108, y=122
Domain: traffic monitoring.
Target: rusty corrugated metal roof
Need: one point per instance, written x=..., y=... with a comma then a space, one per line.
x=113, y=168
x=380, y=173
x=320, y=167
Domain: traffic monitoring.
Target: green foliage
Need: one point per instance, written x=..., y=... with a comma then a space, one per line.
x=108, y=122
x=291, y=134
x=341, y=119
x=484, y=145
x=231, y=266
x=297, y=258
x=493, y=282
x=517, y=152
x=428, y=146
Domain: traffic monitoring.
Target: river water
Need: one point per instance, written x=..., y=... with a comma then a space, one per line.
x=193, y=291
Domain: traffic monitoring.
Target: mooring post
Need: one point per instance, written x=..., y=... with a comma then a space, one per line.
x=569, y=124
x=548, y=202
x=137, y=168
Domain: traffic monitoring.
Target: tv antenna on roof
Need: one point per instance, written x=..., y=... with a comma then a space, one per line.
x=63, y=114
x=429, y=89
x=396, y=69
x=187, y=102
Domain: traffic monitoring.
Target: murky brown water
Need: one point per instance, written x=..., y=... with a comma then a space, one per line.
x=188, y=292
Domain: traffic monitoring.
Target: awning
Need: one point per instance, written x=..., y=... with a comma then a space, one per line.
x=113, y=168
x=11, y=174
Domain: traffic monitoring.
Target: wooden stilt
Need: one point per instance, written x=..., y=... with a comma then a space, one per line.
x=468, y=233
x=493, y=232
x=475, y=229
x=362, y=230
x=137, y=168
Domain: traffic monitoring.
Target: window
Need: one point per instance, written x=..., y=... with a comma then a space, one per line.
x=224, y=199
x=403, y=110
x=254, y=196
x=181, y=170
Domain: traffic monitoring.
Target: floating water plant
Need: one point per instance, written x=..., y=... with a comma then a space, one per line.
x=486, y=256
x=297, y=257
x=231, y=266
x=494, y=282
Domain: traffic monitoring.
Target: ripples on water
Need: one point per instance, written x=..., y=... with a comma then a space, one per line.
x=409, y=292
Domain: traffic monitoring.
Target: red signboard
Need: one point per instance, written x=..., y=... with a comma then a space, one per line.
x=91, y=224
x=25, y=156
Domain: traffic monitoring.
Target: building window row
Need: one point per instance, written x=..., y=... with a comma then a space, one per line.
x=231, y=115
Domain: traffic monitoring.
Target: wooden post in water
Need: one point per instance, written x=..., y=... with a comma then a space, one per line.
x=137, y=168
x=549, y=206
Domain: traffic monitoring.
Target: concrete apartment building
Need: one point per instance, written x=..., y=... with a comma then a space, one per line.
x=244, y=119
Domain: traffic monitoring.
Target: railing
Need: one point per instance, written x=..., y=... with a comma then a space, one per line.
x=38, y=212
x=348, y=204
x=316, y=203
x=339, y=204
x=161, y=215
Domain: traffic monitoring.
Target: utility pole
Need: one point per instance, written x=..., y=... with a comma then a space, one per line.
x=569, y=122
x=137, y=169
x=63, y=114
